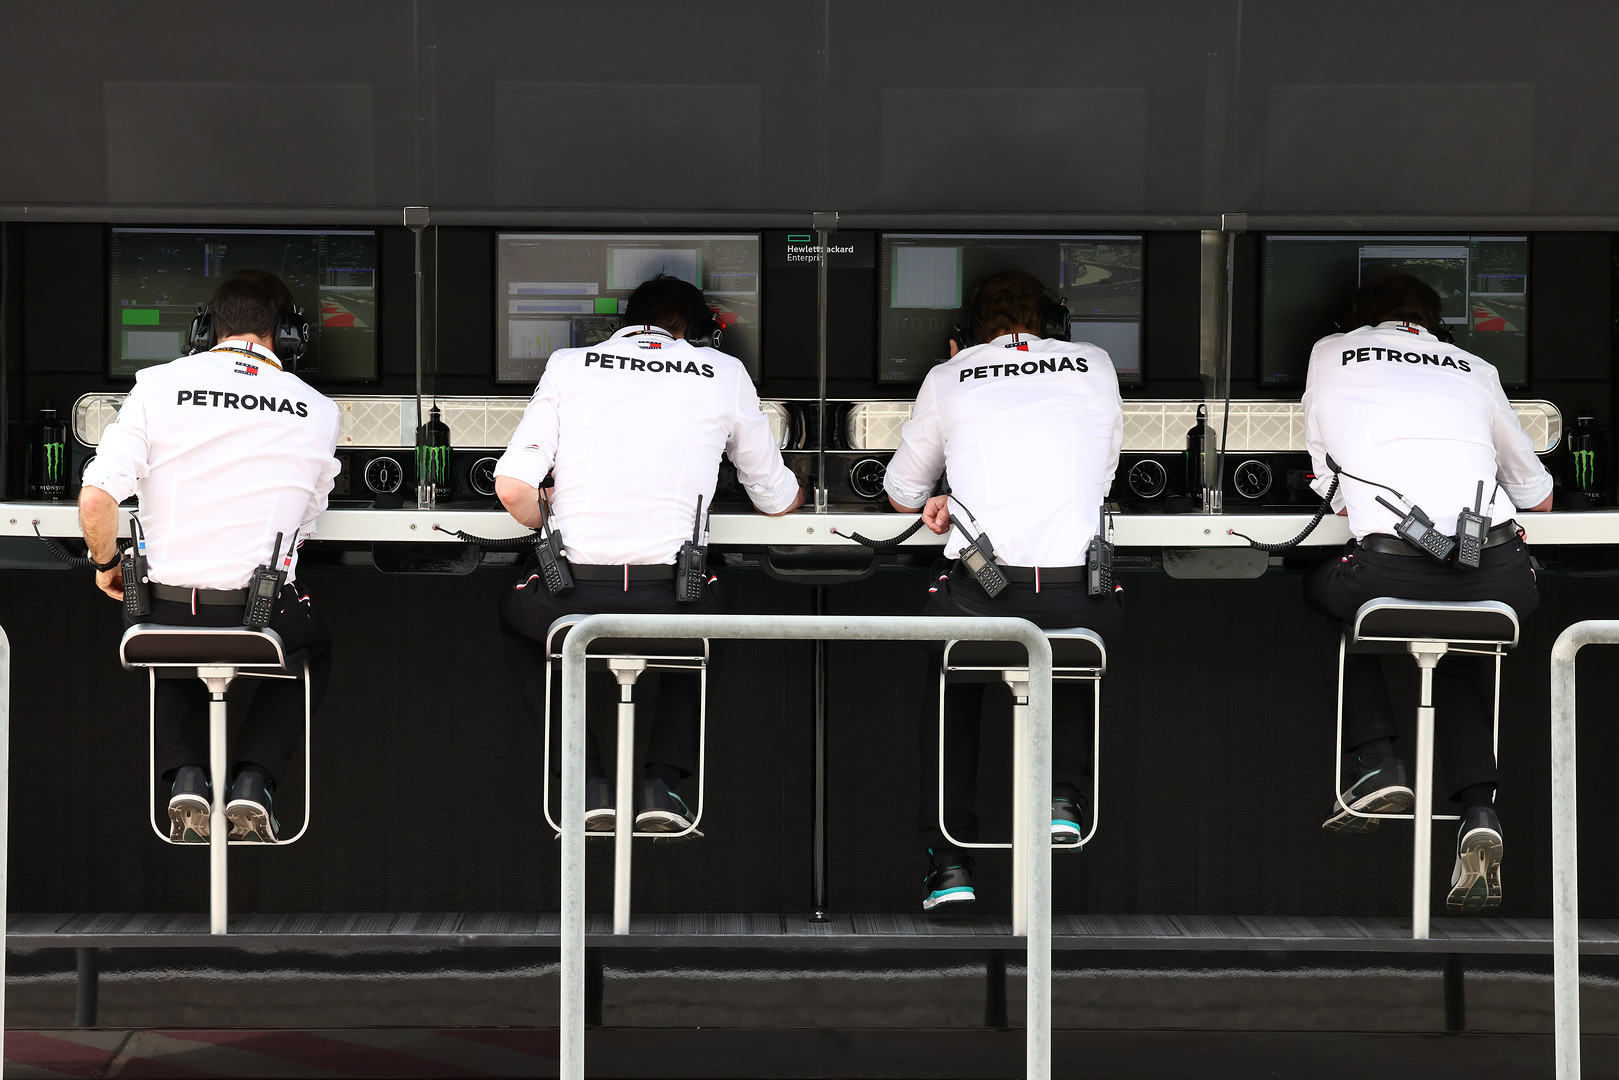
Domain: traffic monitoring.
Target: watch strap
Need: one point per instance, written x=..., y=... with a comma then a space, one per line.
x=102, y=568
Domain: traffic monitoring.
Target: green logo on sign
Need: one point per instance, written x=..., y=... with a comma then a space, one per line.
x=56, y=462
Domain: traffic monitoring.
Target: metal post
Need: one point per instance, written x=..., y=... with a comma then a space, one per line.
x=86, y=987
x=818, y=826
x=1565, y=847
x=218, y=830
x=626, y=670
x=1018, y=681
x=1422, y=811
x=5, y=823
x=571, y=1059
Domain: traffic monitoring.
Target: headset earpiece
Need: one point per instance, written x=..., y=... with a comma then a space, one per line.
x=1056, y=321
x=704, y=330
x=202, y=336
x=291, y=336
x=962, y=334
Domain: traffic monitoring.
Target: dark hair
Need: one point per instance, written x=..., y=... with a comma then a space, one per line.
x=1396, y=297
x=248, y=302
x=1007, y=303
x=664, y=301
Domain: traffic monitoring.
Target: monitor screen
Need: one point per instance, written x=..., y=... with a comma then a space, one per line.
x=1308, y=282
x=159, y=278
x=926, y=280
x=562, y=290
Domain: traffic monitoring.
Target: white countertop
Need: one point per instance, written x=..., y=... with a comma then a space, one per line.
x=732, y=530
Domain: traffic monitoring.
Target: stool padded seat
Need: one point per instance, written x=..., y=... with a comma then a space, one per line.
x=1387, y=619
x=157, y=645
x=1071, y=649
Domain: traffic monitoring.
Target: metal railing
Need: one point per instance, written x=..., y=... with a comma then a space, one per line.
x=1032, y=922
x=5, y=823
x=1565, y=843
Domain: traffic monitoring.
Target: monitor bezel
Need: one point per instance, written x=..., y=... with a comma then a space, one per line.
x=496, y=314
x=1137, y=381
x=314, y=380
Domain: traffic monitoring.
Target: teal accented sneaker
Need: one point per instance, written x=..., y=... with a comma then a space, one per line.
x=250, y=813
x=949, y=883
x=1375, y=789
x=189, y=806
x=662, y=811
x=1475, y=882
x=1066, y=828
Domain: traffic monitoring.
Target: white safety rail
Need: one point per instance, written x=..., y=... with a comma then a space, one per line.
x=5, y=821
x=1565, y=842
x=1033, y=922
x=806, y=528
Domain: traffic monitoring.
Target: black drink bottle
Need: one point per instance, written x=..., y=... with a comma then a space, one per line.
x=432, y=460
x=47, y=457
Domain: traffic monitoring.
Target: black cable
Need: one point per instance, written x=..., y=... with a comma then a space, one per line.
x=1338, y=471
x=882, y=545
x=1320, y=513
x=507, y=543
x=60, y=553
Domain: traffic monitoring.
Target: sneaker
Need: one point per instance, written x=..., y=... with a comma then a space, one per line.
x=599, y=815
x=662, y=810
x=250, y=813
x=1375, y=789
x=1475, y=883
x=189, y=806
x=949, y=882
x=1065, y=824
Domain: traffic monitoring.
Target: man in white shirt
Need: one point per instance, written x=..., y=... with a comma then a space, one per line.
x=1391, y=404
x=225, y=449
x=1029, y=430
x=632, y=430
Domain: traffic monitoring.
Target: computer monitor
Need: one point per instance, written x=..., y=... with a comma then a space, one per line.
x=159, y=278
x=561, y=290
x=1308, y=282
x=926, y=280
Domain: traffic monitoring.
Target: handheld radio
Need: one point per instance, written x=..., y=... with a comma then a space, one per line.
x=266, y=584
x=1471, y=528
x=554, y=569
x=1099, y=557
x=979, y=554
x=1415, y=527
x=691, y=563
x=137, y=594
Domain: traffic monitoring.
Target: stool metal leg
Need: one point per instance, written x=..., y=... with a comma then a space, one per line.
x=1427, y=655
x=626, y=670
x=1018, y=681
x=218, y=681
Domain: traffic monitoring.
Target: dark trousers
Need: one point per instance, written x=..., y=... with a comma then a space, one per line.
x=274, y=727
x=1054, y=607
x=526, y=615
x=1463, y=685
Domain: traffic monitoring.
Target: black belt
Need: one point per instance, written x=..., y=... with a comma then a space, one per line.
x=1052, y=575
x=209, y=597
x=1384, y=544
x=618, y=572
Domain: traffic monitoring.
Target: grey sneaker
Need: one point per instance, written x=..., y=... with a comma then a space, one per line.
x=1475, y=882
x=190, y=803
x=1374, y=789
x=662, y=811
x=250, y=811
x=599, y=815
x=1065, y=822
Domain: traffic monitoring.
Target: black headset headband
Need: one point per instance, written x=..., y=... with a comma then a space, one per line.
x=288, y=341
x=1056, y=321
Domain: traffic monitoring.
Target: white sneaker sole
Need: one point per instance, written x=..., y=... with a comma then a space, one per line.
x=249, y=821
x=660, y=821
x=1475, y=882
x=189, y=817
x=1389, y=800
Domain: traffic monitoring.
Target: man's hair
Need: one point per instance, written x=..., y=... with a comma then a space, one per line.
x=1007, y=303
x=665, y=301
x=248, y=302
x=1397, y=298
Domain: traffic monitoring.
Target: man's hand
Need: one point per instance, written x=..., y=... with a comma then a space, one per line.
x=111, y=582
x=936, y=514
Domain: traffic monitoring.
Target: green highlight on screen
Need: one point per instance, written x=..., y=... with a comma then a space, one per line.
x=140, y=316
x=607, y=305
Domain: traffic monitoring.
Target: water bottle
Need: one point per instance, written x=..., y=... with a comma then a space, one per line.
x=47, y=457
x=1586, y=478
x=1197, y=448
x=432, y=461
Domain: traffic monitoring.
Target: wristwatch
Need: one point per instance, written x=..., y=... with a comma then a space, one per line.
x=102, y=568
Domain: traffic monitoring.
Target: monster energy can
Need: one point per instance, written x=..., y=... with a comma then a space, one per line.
x=46, y=465
x=1586, y=479
x=432, y=461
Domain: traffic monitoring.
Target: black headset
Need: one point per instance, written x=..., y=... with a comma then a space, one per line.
x=704, y=329
x=1056, y=321
x=289, y=341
